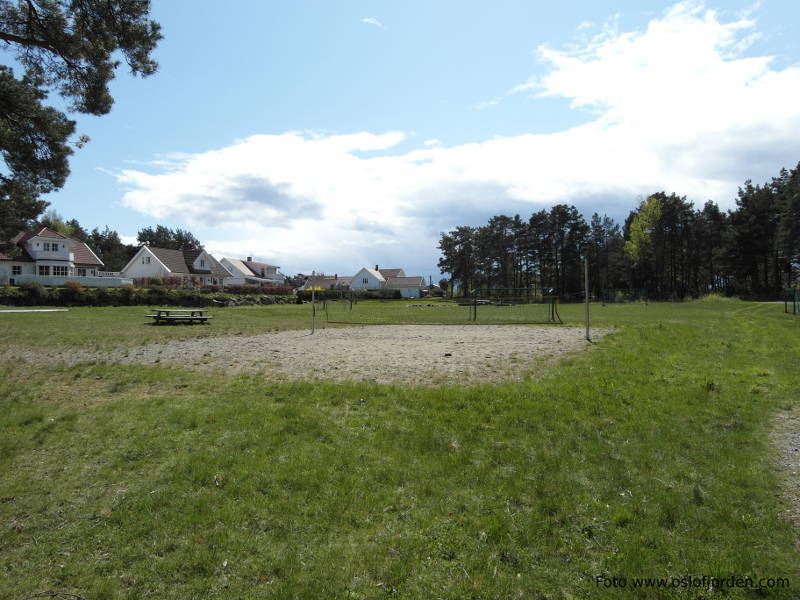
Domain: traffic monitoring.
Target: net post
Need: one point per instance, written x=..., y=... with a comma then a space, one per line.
x=313, y=304
x=586, y=295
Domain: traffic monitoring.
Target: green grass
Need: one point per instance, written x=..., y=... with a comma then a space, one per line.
x=648, y=455
x=431, y=311
x=117, y=326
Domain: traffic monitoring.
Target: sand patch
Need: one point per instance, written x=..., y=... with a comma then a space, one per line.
x=411, y=354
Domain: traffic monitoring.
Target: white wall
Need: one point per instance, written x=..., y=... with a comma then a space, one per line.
x=136, y=268
x=28, y=268
x=373, y=283
x=35, y=247
x=410, y=292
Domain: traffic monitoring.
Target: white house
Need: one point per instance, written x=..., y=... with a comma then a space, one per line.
x=410, y=287
x=388, y=279
x=48, y=257
x=250, y=272
x=196, y=266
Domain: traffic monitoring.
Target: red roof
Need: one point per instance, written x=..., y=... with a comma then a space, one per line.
x=82, y=254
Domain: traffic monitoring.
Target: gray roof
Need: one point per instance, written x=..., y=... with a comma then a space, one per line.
x=397, y=282
x=180, y=261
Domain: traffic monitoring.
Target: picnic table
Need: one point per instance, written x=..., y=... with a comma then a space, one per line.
x=189, y=316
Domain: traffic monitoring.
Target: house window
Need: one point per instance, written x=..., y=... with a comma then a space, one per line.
x=145, y=260
x=80, y=272
x=365, y=280
x=16, y=270
x=60, y=271
x=44, y=270
x=202, y=263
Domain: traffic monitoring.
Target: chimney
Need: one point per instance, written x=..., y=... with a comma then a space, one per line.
x=376, y=267
x=335, y=276
x=249, y=259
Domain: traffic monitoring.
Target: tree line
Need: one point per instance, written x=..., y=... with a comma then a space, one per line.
x=666, y=248
x=108, y=245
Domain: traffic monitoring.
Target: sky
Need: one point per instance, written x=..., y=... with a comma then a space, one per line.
x=327, y=136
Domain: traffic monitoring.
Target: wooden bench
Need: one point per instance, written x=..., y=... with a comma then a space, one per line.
x=189, y=316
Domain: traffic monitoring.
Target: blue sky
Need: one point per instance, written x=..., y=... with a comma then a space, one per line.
x=332, y=135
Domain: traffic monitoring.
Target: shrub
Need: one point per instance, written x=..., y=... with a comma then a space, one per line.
x=378, y=294
x=72, y=294
x=35, y=293
x=278, y=290
x=11, y=296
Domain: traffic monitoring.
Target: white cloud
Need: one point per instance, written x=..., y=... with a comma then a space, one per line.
x=372, y=21
x=488, y=103
x=677, y=107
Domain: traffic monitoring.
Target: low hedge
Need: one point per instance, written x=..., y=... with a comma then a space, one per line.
x=176, y=283
x=72, y=294
x=305, y=295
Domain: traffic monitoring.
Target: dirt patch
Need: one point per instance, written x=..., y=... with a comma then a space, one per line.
x=787, y=437
x=413, y=354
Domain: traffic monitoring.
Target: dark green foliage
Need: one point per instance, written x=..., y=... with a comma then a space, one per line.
x=666, y=250
x=542, y=253
x=110, y=249
x=71, y=47
x=305, y=295
x=33, y=144
x=163, y=237
x=72, y=294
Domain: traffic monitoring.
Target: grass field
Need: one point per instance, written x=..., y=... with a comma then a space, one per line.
x=649, y=455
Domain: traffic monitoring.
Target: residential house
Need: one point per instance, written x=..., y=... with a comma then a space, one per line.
x=388, y=279
x=410, y=287
x=190, y=266
x=48, y=257
x=250, y=272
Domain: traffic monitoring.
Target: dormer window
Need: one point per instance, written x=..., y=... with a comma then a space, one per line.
x=202, y=263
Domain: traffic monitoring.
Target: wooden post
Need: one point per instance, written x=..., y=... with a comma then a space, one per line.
x=313, y=303
x=586, y=294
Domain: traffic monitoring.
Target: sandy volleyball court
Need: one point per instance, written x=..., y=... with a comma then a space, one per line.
x=411, y=354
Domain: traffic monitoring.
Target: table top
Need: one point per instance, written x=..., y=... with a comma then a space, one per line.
x=181, y=310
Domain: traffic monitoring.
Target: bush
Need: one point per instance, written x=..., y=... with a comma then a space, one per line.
x=378, y=294
x=11, y=296
x=73, y=294
x=34, y=293
x=305, y=295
